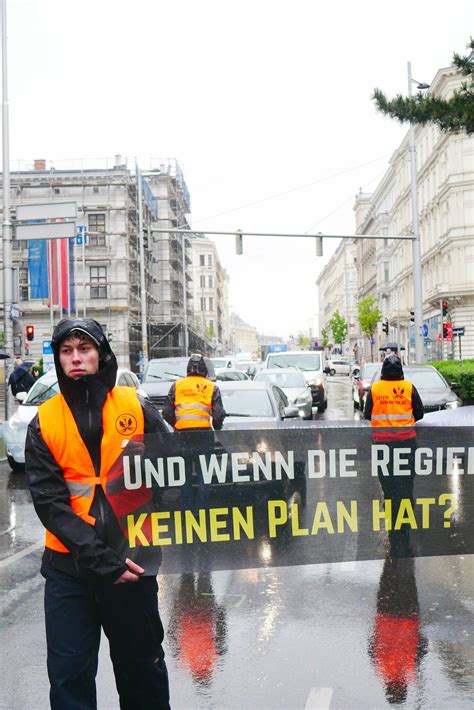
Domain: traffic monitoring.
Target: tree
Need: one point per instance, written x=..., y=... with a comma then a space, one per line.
x=368, y=317
x=325, y=338
x=303, y=341
x=338, y=328
x=210, y=330
x=452, y=115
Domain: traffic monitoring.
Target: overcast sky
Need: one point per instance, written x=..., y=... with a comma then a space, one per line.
x=254, y=98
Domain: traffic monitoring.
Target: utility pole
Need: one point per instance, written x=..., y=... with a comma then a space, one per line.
x=142, y=270
x=416, y=243
x=7, y=225
x=185, y=297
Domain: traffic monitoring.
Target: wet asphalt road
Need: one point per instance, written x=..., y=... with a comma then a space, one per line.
x=348, y=635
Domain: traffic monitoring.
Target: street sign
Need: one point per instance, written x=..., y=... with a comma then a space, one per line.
x=48, y=356
x=45, y=230
x=425, y=330
x=81, y=237
x=14, y=313
x=458, y=331
x=46, y=211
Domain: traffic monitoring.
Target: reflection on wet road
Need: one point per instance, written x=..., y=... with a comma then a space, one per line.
x=374, y=634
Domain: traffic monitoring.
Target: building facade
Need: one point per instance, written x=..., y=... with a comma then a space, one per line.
x=243, y=337
x=445, y=196
x=97, y=274
x=211, y=287
x=337, y=285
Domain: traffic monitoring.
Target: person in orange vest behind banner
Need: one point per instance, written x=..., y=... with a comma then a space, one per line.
x=194, y=403
x=393, y=402
x=71, y=445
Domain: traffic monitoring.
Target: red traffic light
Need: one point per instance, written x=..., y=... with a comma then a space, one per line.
x=30, y=332
x=445, y=308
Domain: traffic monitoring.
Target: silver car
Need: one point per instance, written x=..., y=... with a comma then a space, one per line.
x=293, y=384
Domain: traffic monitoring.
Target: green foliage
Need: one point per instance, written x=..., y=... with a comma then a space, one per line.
x=210, y=330
x=303, y=341
x=338, y=327
x=325, y=337
x=368, y=315
x=452, y=115
x=461, y=372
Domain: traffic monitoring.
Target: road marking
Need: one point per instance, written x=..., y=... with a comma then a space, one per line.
x=18, y=555
x=319, y=699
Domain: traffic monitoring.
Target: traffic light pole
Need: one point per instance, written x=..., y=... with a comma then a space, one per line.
x=416, y=243
x=7, y=225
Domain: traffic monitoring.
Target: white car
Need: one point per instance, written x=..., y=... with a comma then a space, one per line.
x=339, y=366
x=14, y=430
x=294, y=385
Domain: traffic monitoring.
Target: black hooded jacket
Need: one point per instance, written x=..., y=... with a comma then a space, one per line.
x=392, y=370
x=90, y=554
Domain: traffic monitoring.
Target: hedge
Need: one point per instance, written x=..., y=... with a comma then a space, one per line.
x=460, y=371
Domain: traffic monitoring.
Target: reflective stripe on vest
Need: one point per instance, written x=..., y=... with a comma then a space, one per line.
x=122, y=418
x=193, y=403
x=392, y=405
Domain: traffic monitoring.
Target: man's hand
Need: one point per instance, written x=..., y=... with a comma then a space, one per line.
x=133, y=573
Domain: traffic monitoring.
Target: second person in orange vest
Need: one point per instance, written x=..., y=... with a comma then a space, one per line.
x=194, y=402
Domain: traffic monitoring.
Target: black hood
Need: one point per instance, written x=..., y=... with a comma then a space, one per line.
x=392, y=368
x=104, y=379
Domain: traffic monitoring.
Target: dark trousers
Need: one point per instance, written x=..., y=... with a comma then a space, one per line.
x=75, y=610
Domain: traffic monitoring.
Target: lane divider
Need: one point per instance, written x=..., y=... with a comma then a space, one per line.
x=319, y=699
x=18, y=555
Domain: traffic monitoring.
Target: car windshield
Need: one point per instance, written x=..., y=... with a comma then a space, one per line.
x=425, y=379
x=243, y=365
x=304, y=361
x=230, y=376
x=41, y=391
x=219, y=362
x=247, y=403
x=283, y=379
x=368, y=371
x=168, y=370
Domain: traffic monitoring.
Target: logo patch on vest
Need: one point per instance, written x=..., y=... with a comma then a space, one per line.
x=399, y=392
x=126, y=424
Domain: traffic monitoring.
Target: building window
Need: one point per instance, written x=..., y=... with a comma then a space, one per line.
x=211, y=304
x=210, y=282
x=98, y=281
x=95, y=190
x=97, y=229
x=23, y=283
x=203, y=304
x=203, y=281
x=202, y=261
x=209, y=259
x=57, y=191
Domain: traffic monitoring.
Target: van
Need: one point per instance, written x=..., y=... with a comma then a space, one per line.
x=311, y=364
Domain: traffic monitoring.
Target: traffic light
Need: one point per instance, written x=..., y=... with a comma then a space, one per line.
x=445, y=308
x=239, y=242
x=412, y=318
x=319, y=246
x=30, y=332
x=445, y=331
x=385, y=326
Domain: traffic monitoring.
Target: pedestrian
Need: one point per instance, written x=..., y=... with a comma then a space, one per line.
x=393, y=405
x=20, y=380
x=194, y=403
x=71, y=444
x=392, y=401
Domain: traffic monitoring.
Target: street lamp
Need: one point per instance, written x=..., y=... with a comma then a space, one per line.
x=416, y=242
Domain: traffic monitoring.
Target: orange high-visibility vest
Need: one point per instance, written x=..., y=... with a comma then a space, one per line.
x=122, y=418
x=392, y=403
x=193, y=403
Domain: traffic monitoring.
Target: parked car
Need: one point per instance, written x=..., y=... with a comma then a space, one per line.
x=294, y=385
x=14, y=430
x=225, y=361
x=459, y=416
x=160, y=373
x=361, y=382
x=230, y=375
x=311, y=364
x=433, y=389
x=255, y=401
x=339, y=366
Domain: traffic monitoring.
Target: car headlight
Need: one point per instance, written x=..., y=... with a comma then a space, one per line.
x=317, y=381
x=452, y=405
